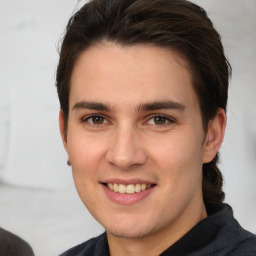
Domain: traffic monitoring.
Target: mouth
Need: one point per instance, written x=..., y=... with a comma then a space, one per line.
x=128, y=189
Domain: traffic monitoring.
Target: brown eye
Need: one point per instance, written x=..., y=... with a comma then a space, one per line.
x=160, y=120
x=97, y=120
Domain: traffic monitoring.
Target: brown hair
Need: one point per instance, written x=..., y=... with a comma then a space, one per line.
x=175, y=24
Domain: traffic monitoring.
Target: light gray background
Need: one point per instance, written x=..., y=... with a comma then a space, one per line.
x=37, y=197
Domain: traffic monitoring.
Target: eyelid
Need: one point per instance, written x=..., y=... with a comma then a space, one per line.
x=92, y=115
x=168, y=118
x=87, y=117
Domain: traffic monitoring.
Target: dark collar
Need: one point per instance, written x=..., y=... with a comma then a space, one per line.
x=204, y=233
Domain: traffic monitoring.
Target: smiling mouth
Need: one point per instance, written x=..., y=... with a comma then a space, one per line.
x=128, y=189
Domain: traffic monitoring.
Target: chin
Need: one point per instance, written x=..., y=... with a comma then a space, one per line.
x=131, y=231
x=128, y=235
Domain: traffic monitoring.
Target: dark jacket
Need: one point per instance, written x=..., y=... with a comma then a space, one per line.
x=12, y=245
x=217, y=235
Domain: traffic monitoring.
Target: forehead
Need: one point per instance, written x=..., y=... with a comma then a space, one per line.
x=114, y=74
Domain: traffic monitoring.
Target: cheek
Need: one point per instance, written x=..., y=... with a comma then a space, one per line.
x=179, y=158
x=83, y=150
x=85, y=154
x=181, y=171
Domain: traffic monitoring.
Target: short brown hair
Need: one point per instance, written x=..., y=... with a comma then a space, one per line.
x=173, y=24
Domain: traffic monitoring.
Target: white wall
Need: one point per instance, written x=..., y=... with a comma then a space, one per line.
x=31, y=152
x=236, y=22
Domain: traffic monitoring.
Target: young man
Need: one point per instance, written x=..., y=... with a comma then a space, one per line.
x=143, y=93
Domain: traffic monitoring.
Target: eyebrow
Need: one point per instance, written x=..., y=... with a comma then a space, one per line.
x=161, y=105
x=91, y=105
x=151, y=106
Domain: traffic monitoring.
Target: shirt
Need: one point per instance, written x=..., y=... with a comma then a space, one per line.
x=217, y=235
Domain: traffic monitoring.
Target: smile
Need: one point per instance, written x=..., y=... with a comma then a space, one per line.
x=128, y=189
x=128, y=192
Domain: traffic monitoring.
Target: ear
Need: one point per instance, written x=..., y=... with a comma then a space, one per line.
x=63, y=132
x=214, y=136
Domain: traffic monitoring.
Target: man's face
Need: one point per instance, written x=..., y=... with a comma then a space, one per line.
x=135, y=140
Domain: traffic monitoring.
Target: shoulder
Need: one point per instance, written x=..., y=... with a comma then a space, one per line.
x=232, y=239
x=246, y=247
x=11, y=244
x=221, y=235
x=95, y=246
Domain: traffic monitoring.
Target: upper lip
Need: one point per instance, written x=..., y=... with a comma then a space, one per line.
x=127, y=181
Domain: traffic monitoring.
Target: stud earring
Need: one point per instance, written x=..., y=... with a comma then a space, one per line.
x=68, y=163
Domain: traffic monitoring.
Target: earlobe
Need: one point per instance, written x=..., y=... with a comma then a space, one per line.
x=214, y=136
x=62, y=129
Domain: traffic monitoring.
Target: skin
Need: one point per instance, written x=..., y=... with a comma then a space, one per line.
x=127, y=141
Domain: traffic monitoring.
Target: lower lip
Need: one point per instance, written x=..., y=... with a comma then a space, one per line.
x=127, y=199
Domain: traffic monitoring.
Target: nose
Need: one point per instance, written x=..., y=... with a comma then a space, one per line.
x=125, y=151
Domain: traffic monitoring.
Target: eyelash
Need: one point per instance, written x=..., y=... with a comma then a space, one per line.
x=85, y=119
x=166, y=119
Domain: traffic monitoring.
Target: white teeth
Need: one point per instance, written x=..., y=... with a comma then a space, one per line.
x=115, y=187
x=110, y=186
x=129, y=189
x=137, y=188
x=143, y=187
x=122, y=189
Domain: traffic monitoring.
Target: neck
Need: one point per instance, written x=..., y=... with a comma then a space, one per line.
x=156, y=243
